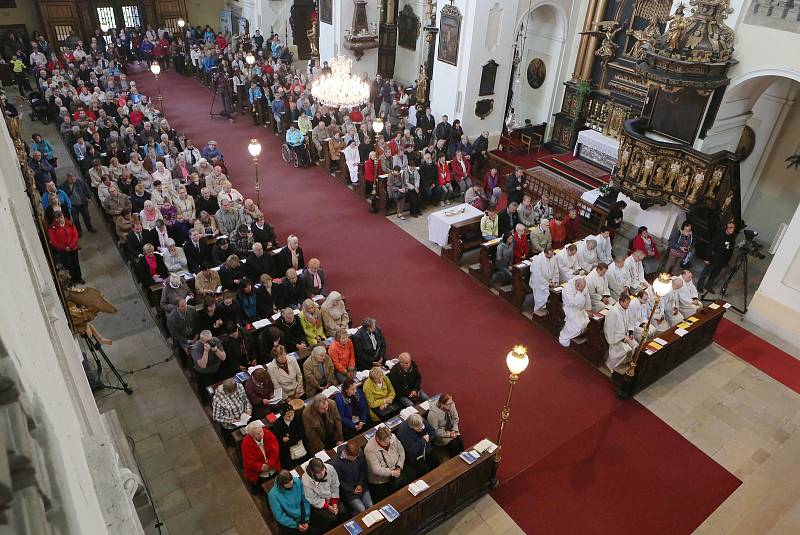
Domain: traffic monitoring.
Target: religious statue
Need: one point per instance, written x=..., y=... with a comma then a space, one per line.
x=608, y=31
x=647, y=36
x=716, y=179
x=635, y=166
x=674, y=169
x=313, y=37
x=623, y=159
x=422, y=85
x=683, y=181
x=697, y=183
x=646, y=170
x=726, y=203
x=658, y=179
x=677, y=27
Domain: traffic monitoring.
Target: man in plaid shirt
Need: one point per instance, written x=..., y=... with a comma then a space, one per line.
x=242, y=240
x=229, y=403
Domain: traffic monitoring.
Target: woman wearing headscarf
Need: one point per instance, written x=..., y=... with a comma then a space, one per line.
x=334, y=314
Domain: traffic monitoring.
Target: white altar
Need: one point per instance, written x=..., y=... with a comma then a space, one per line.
x=659, y=220
x=439, y=223
x=597, y=148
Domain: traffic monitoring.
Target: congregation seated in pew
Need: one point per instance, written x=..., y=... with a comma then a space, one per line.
x=380, y=395
x=260, y=455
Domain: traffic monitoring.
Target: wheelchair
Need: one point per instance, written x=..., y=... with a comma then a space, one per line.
x=290, y=156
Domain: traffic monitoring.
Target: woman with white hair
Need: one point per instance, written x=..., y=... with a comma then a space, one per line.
x=290, y=256
x=136, y=167
x=161, y=173
x=184, y=204
x=260, y=455
x=175, y=290
x=334, y=314
x=175, y=258
x=150, y=215
x=318, y=371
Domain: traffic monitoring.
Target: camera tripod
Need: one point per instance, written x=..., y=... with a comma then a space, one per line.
x=739, y=264
x=96, y=350
x=220, y=86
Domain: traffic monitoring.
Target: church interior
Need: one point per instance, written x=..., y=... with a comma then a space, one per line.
x=400, y=266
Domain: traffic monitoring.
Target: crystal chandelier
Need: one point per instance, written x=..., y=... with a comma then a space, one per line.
x=340, y=89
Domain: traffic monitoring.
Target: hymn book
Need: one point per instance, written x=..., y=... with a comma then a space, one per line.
x=389, y=512
x=372, y=517
x=353, y=527
x=418, y=487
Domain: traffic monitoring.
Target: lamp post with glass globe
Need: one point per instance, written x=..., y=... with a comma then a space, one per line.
x=254, y=148
x=377, y=125
x=155, y=68
x=181, y=23
x=661, y=287
x=250, y=58
x=517, y=361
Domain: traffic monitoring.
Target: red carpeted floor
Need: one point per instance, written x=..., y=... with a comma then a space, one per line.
x=573, y=454
x=526, y=161
x=771, y=360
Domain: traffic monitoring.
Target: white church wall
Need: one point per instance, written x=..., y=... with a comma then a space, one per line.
x=407, y=62
x=47, y=361
x=331, y=36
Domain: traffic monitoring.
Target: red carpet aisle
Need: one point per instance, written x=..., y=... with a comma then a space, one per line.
x=460, y=334
x=771, y=360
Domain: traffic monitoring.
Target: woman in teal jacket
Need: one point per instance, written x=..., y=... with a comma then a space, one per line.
x=289, y=504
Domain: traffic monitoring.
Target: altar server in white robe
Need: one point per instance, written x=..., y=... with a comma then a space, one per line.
x=604, y=247
x=577, y=304
x=639, y=311
x=618, y=329
x=597, y=284
x=544, y=275
x=587, y=254
x=567, y=261
x=689, y=300
x=352, y=159
x=672, y=305
x=618, y=278
x=636, y=270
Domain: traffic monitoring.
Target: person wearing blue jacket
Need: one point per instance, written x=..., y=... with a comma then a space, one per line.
x=289, y=504
x=416, y=435
x=352, y=407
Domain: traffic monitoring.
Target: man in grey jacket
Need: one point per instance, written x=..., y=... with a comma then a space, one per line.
x=321, y=488
x=385, y=459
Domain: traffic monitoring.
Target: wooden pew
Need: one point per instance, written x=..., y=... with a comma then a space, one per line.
x=463, y=236
x=325, y=157
x=519, y=285
x=485, y=268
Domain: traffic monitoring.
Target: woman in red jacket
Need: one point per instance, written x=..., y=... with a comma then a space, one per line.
x=460, y=170
x=443, y=180
x=644, y=242
x=260, y=455
x=372, y=169
x=63, y=237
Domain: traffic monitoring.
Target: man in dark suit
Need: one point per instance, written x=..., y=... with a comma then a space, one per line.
x=313, y=278
x=427, y=122
x=258, y=262
x=197, y=251
x=136, y=240
x=291, y=291
x=369, y=345
x=515, y=186
x=508, y=218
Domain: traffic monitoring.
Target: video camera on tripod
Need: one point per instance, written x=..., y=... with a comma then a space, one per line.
x=749, y=246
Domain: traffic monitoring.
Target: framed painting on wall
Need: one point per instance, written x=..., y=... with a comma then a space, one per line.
x=326, y=11
x=449, y=35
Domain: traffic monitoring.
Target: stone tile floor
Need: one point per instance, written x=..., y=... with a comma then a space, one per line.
x=743, y=419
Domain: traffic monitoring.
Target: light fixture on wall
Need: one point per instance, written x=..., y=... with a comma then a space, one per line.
x=363, y=35
x=340, y=89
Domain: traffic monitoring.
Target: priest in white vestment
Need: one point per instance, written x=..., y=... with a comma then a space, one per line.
x=599, y=292
x=618, y=278
x=567, y=261
x=352, y=159
x=604, y=247
x=544, y=276
x=618, y=329
x=587, y=254
x=577, y=304
x=635, y=268
x=639, y=312
x=672, y=305
x=689, y=300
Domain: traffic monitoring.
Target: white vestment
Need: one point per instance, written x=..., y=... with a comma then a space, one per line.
x=598, y=288
x=671, y=303
x=618, y=279
x=567, y=265
x=635, y=272
x=587, y=258
x=352, y=159
x=616, y=327
x=686, y=299
x=604, y=249
x=544, y=272
x=576, y=312
x=638, y=313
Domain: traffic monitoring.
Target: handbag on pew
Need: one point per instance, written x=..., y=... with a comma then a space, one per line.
x=297, y=451
x=388, y=412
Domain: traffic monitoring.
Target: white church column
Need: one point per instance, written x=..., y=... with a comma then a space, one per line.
x=487, y=33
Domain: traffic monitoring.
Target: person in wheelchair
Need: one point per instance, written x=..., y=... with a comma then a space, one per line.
x=296, y=142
